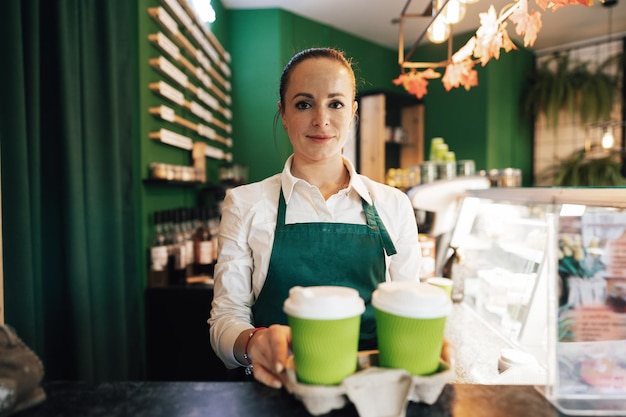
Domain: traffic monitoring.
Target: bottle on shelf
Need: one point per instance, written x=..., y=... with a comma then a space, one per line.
x=178, y=257
x=203, y=245
x=214, y=225
x=158, y=275
x=188, y=232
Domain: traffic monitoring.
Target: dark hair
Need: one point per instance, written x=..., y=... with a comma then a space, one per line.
x=310, y=53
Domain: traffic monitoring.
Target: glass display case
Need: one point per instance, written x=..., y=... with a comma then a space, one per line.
x=545, y=270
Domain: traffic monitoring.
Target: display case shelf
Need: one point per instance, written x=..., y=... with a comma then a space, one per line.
x=532, y=255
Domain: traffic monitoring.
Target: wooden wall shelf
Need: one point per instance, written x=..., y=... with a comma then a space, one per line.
x=378, y=110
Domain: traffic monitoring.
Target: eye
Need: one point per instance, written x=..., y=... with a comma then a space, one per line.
x=336, y=105
x=303, y=105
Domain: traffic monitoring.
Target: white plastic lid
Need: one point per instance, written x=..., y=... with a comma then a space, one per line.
x=412, y=299
x=323, y=302
x=513, y=358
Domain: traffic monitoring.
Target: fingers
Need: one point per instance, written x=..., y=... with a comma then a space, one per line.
x=266, y=377
x=447, y=352
x=280, y=340
x=269, y=349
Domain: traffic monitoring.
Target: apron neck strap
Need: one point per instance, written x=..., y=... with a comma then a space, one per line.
x=282, y=209
x=374, y=221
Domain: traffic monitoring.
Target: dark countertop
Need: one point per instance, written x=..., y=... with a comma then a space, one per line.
x=230, y=399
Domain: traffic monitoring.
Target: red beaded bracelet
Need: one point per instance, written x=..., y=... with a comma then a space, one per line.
x=246, y=356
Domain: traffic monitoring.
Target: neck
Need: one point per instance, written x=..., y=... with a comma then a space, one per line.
x=328, y=177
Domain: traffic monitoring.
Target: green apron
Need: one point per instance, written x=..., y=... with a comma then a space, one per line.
x=309, y=254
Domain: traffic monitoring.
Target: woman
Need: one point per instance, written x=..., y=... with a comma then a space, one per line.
x=316, y=223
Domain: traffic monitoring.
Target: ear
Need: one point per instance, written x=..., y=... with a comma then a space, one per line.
x=355, y=106
x=282, y=115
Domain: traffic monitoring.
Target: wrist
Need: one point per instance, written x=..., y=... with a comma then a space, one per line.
x=246, y=349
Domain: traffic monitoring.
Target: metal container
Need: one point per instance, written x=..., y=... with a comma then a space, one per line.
x=446, y=170
x=465, y=168
x=510, y=177
x=494, y=177
x=428, y=172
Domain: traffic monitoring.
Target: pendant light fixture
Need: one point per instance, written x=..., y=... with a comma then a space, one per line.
x=607, y=139
x=453, y=11
x=439, y=30
x=607, y=142
x=445, y=13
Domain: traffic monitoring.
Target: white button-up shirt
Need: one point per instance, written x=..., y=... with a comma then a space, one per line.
x=247, y=230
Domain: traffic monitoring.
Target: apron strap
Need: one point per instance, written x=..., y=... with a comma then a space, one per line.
x=282, y=209
x=374, y=221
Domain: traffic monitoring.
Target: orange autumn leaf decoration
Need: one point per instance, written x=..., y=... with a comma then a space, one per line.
x=416, y=83
x=557, y=4
x=461, y=72
x=527, y=24
x=490, y=38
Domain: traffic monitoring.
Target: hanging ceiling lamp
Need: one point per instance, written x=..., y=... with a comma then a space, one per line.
x=439, y=30
x=607, y=139
x=453, y=11
x=607, y=142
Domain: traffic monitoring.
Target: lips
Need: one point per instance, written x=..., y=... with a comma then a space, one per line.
x=320, y=137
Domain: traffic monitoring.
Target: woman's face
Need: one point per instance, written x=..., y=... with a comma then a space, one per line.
x=318, y=108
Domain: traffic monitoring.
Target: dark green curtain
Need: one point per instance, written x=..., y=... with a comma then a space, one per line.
x=67, y=127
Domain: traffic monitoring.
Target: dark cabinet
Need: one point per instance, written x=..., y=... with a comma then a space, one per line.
x=177, y=335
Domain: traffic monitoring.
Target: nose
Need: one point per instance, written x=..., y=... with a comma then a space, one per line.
x=320, y=116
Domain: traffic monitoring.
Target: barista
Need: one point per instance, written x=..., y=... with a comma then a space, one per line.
x=318, y=222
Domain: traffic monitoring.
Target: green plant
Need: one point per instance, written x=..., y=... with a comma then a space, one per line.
x=561, y=84
x=583, y=168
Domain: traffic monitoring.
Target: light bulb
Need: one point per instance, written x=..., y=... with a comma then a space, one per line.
x=439, y=31
x=454, y=11
x=608, y=139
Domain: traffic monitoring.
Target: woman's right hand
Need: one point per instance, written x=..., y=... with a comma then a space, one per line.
x=268, y=350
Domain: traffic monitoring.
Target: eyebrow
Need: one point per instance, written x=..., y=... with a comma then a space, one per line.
x=308, y=95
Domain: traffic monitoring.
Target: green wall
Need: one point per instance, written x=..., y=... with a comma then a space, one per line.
x=510, y=139
x=255, y=48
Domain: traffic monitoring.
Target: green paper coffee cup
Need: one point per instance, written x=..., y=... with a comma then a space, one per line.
x=325, y=323
x=410, y=323
x=443, y=283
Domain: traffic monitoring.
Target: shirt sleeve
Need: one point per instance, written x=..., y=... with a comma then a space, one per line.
x=232, y=294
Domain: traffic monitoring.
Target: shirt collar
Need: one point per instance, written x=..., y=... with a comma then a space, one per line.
x=288, y=181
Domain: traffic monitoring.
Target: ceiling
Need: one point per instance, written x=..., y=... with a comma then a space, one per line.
x=373, y=19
